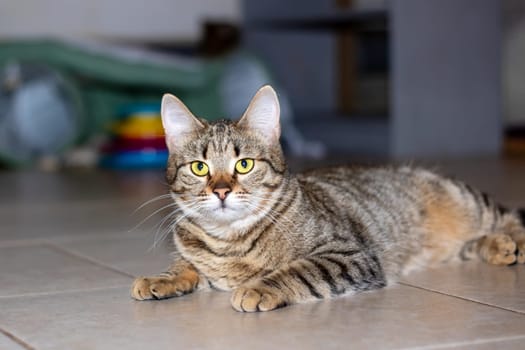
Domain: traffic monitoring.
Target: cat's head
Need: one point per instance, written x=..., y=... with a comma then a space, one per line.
x=225, y=175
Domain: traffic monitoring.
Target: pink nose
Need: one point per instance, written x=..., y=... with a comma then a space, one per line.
x=222, y=192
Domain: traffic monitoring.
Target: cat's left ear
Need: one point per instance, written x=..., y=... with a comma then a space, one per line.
x=178, y=122
x=262, y=115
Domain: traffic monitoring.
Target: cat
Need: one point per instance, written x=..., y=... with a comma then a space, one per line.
x=245, y=224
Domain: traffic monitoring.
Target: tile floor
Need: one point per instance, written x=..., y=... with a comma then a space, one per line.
x=67, y=259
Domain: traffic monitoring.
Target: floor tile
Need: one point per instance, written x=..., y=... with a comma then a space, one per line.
x=76, y=219
x=136, y=255
x=494, y=285
x=394, y=318
x=514, y=343
x=65, y=219
x=8, y=344
x=58, y=187
x=37, y=205
x=43, y=269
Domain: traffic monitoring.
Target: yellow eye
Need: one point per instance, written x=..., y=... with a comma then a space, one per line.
x=244, y=166
x=199, y=168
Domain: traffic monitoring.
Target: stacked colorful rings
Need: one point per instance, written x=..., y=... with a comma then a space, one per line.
x=138, y=139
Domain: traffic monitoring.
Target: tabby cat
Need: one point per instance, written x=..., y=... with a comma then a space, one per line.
x=245, y=224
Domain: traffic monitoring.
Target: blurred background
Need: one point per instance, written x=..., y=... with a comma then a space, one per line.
x=81, y=81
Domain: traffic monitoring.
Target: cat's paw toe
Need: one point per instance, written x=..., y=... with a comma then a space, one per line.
x=502, y=250
x=246, y=299
x=145, y=288
x=140, y=289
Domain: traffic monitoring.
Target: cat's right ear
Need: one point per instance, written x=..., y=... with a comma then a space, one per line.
x=178, y=121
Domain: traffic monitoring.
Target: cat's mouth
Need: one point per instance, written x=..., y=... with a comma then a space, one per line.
x=224, y=214
x=222, y=208
x=226, y=211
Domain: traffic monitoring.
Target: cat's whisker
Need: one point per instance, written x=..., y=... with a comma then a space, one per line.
x=284, y=217
x=172, y=204
x=179, y=209
x=165, y=231
x=166, y=217
x=154, y=199
x=270, y=215
x=163, y=220
x=152, y=214
x=169, y=228
x=274, y=213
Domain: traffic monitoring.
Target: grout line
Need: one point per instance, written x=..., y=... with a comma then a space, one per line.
x=461, y=298
x=16, y=339
x=466, y=342
x=88, y=259
x=70, y=291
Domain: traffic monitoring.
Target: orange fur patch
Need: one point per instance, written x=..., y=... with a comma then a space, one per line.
x=447, y=226
x=189, y=275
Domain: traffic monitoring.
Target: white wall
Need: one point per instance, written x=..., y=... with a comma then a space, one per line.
x=165, y=20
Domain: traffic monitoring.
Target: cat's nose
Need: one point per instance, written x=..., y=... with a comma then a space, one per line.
x=222, y=192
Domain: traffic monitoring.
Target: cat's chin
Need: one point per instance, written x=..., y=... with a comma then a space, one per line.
x=224, y=220
x=227, y=223
x=225, y=214
x=226, y=231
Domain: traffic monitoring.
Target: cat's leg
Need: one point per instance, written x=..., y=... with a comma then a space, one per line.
x=311, y=278
x=181, y=278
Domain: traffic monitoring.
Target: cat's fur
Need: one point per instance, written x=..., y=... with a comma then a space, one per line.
x=278, y=239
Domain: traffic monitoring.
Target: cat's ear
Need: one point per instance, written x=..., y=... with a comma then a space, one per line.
x=178, y=121
x=262, y=115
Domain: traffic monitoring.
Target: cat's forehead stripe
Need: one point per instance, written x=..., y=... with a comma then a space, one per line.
x=220, y=136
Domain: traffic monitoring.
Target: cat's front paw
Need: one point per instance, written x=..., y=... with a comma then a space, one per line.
x=145, y=288
x=251, y=299
x=500, y=249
